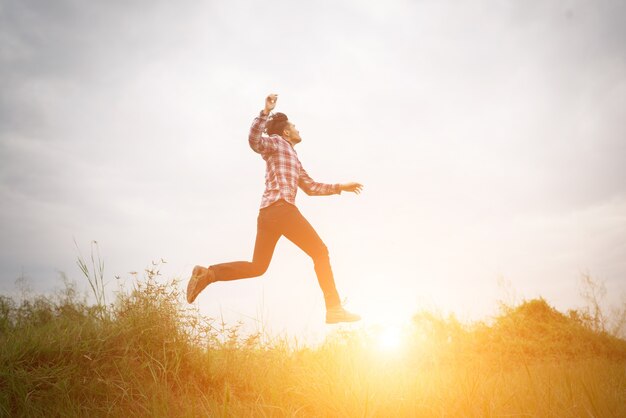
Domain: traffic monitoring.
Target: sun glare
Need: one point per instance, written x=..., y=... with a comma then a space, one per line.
x=386, y=325
x=390, y=338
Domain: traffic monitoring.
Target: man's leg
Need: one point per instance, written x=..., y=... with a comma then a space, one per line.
x=299, y=231
x=266, y=238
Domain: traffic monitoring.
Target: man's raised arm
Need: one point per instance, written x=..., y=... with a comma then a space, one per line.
x=256, y=140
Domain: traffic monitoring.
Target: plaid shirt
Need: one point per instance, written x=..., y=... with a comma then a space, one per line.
x=284, y=172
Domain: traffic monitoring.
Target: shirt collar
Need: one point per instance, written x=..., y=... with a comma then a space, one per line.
x=290, y=144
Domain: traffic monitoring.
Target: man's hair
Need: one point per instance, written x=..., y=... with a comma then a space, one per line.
x=276, y=124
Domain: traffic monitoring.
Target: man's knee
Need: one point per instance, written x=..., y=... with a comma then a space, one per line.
x=258, y=269
x=320, y=253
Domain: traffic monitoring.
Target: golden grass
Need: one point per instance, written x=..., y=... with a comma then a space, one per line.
x=147, y=354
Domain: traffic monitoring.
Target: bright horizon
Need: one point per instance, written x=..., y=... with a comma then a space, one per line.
x=489, y=138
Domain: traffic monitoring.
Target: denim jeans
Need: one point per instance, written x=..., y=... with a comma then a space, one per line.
x=282, y=218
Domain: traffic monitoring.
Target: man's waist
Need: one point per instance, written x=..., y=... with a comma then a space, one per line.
x=277, y=203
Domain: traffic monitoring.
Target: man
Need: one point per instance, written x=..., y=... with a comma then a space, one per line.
x=279, y=216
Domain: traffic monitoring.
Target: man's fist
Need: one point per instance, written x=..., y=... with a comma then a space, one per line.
x=270, y=103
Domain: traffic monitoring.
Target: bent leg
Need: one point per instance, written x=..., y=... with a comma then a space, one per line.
x=266, y=238
x=299, y=231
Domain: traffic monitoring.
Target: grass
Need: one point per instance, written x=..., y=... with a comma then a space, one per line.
x=149, y=354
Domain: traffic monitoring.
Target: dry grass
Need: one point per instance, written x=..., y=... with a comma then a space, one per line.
x=147, y=354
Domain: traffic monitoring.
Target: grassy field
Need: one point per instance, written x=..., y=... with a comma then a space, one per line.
x=148, y=354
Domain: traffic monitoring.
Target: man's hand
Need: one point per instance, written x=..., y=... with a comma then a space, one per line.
x=351, y=187
x=270, y=103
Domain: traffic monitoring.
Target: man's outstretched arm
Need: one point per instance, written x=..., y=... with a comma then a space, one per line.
x=313, y=188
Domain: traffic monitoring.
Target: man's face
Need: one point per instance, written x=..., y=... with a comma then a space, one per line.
x=292, y=133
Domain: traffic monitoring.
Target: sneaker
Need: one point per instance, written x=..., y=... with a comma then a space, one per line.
x=201, y=277
x=339, y=314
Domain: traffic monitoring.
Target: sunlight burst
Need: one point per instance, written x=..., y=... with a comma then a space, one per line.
x=390, y=338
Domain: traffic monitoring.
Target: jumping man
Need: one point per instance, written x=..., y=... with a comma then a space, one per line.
x=279, y=216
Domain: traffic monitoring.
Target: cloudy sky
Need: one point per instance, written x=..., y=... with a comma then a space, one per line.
x=489, y=135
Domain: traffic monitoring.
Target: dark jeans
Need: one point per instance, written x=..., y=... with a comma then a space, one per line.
x=274, y=221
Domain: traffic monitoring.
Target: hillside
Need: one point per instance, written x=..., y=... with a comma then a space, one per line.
x=147, y=354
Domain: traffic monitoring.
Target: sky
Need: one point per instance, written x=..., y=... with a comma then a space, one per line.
x=489, y=136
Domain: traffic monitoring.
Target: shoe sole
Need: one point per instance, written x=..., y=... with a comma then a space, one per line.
x=193, y=284
x=337, y=321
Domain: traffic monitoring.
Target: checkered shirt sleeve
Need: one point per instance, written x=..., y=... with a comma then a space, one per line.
x=312, y=188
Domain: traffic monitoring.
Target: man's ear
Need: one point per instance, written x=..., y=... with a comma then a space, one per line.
x=286, y=132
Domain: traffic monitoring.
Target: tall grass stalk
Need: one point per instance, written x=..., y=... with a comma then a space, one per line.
x=95, y=275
